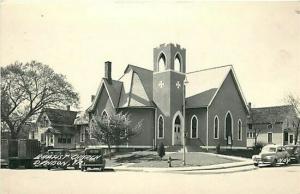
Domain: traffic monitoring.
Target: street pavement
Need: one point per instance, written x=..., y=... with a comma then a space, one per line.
x=275, y=180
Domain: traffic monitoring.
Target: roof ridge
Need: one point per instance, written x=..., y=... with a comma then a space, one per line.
x=106, y=79
x=217, y=67
x=139, y=67
x=288, y=105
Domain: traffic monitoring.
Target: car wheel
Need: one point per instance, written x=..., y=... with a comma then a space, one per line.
x=287, y=161
x=255, y=164
x=82, y=169
x=274, y=162
x=49, y=167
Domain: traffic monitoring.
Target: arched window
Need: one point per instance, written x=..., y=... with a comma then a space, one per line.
x=160, y=127
x=228, y=126
x=240, y=130
x=161, y=62
x=194, y=127
x=216, y=127
x=104, y=115
x=177, y=63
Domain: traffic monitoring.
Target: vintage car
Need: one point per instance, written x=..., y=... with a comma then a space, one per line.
x=59, y=158
x=93, y=158
x=294, y=151
x=272, y=155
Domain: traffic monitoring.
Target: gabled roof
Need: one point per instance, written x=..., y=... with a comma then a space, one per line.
x=133, y=89
x=113, y=90
x=60, y=117
x=203, y=86
x=137, y=87
x=271, y=114
x=146, y=77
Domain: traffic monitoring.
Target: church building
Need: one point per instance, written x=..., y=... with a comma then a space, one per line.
x=204, y=108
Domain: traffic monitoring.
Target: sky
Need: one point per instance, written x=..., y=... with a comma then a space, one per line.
x=260, y=39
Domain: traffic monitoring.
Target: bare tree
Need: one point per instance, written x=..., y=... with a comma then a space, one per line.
x=27, y=88
x=114, y=129
x=256, y=134
x=294, y=101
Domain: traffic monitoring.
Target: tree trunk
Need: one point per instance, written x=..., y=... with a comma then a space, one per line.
x=13, y=134
x=13, y=131
x=109, y=151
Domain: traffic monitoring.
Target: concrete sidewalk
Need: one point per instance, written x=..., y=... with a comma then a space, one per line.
x=243, y=164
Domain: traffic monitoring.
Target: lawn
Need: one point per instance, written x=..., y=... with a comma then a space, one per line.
x=150, y=159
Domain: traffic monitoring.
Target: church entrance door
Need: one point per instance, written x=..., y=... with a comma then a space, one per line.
x=177, y=131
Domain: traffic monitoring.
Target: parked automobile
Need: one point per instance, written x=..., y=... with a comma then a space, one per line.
x=93, y=158
x=272, y=155
x=59, y=158
x=294, y=151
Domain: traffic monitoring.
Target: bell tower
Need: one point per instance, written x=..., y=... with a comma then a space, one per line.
x=169, y=57
x=168, y=78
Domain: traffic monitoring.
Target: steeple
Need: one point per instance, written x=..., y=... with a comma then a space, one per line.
x=169, y=57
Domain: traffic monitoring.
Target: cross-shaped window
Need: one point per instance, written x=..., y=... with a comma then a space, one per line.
x=161, y=84
x=178, y=84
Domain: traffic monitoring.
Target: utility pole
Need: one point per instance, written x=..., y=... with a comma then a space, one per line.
x=185, y=82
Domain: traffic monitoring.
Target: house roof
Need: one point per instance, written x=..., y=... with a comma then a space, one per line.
x=61, y=130
x=203, y=86
x=271, y=114
x=60, y=117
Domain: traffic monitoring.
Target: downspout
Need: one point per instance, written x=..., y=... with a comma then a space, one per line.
x=207, y=129
x=155, y=126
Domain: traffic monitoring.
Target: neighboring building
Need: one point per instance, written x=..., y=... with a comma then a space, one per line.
x=275, y=124
x=208, y=103
x=82, y=135
x=55, y=128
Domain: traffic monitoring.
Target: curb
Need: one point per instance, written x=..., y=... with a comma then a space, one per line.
x=220, y=172
x=229, y=157
x=184, y=169
x=193, y=172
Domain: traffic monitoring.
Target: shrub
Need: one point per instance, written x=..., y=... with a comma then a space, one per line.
x=161, y=150
x=258, y=146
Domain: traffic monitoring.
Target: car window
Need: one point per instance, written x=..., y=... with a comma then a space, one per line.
x=55, y=153
x=269, y=149
x=289, y=147
x=93, y=152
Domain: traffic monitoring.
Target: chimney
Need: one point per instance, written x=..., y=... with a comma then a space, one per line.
x=68, y=107
x=249, y=105
x=108, y=71
x=92, y=98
